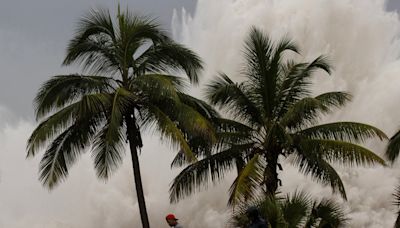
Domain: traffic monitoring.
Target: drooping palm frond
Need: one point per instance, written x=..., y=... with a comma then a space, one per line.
x=108, y=145
x=247, y=184
x=197, y=175
x=64, y=89
x=153, y=116
x=63, y=152
x=341, y=152
x=344, y=131
x=321, y=171
x=92, y=105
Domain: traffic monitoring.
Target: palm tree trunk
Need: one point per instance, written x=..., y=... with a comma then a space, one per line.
x=271, y=175
x=135, y=142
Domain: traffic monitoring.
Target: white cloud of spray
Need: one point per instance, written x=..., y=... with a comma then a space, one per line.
x=362, y=41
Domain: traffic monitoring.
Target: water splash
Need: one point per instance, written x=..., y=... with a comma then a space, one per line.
x=362, y=40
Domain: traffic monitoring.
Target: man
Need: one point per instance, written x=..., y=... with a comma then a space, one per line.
x=173, y=221
x=255, y=219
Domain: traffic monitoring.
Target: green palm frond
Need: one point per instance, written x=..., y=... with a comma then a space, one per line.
x=63, y=152
x=295, y=208
x=334, y=99
x=197, y=175
x=320, y=170
x=155, y=117
x=295, y=84
x=158, y=86
x=344, y=131
x=108, y=145
x=247, y=184
x=49, y=128
x=329, y=214
x=341, y=152
x=92, y=105
x=225, y=94
x=393, y=148
x=303, y=112
x=64, y=89
x=170, y=56
x=306, y=111
x=200, y=106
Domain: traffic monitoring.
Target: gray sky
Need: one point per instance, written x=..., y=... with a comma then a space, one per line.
x=33, y=40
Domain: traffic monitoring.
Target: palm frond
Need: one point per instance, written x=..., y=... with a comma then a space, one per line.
x=170, y=56
x=329, y=214
x=344, y=131
x=320, y=170
x=303, y=112
x=295, y=84
x=247, y=184
x=200, y=106
x=295, y=208
x=92, y=105
x=393, y=148
x=396, y=202
x=224, y=93
x=342, y=152
x=158, y=86
x=306, y=110
x=108, y=145
x=64, y=89
x=94, y=44
x=198, y=174
x=153, y=116
x=63, y=152
x=335, y=99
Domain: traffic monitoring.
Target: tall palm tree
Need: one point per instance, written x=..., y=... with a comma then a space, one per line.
x=273, y=117
x=126, y=88
x=294, y=211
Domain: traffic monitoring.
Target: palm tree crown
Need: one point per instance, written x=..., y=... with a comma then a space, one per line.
x=274, y=116
x=293, y=211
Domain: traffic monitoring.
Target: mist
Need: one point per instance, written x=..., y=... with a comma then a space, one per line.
x=360, y=37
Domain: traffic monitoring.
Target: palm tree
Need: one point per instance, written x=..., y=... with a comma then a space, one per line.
x=273, y=117
x=294, y=211
x=392, y=153
x=126, y=88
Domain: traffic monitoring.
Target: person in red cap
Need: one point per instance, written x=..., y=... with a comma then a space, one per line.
x=173, y=221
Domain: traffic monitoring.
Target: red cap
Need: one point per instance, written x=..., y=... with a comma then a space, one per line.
x=171, y=217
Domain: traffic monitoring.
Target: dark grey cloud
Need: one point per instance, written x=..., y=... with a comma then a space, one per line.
x=393, y=5
x=34, y=34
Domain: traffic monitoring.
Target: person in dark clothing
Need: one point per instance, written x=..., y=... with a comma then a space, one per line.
x=255, y=219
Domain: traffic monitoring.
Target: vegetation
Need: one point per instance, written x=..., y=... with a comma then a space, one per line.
x=274, y=117
x=126, y=88
x=298, y=210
